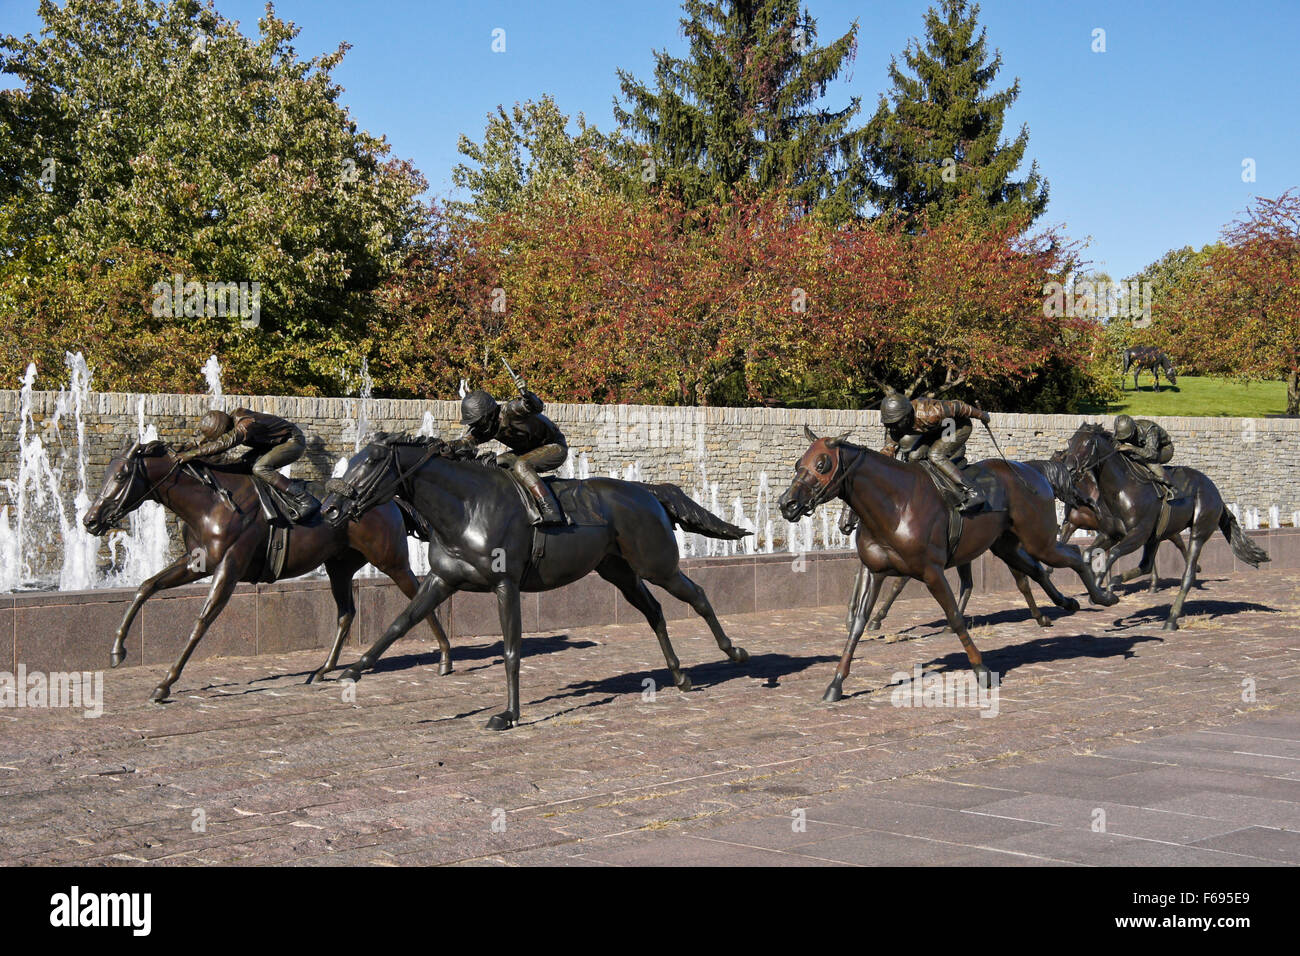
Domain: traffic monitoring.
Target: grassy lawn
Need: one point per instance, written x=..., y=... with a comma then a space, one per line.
x=1196, y=396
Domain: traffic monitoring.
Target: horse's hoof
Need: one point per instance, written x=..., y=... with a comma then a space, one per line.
x=115, y=659
x=983, y=676
x=1107, y=599
x=159, y=694
x=833, y=693
x=1044, y=622
x=1170, y=626
x=501, y=721
x=1070, y=605
x=738, y=655
x=444, y=668
x=875, y=623
x=314, y=676
x=351, y=674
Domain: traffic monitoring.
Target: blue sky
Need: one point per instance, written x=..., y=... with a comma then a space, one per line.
x=1143, y=144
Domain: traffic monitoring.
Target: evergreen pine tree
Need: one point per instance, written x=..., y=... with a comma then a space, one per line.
x=941, y=137
x=739, y=109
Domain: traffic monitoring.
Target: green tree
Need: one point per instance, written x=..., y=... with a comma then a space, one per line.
x=160, y=126
x=937, y=137
x=525, y=152
x=740, y=109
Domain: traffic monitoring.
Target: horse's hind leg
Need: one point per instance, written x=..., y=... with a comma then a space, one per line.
x=174, y=575
x=1022, y=582
x=1015, y=557
x=938, y=585
x=835, y=690
x=409, y=585
x=889, y=594
x=620, y=574
x=684, y=589
x=340, y=571
x=1199, y=537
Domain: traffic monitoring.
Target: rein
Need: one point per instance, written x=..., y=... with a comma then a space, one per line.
x=349, y=490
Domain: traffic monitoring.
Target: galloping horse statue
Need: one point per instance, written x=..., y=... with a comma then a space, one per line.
x=226, y=535
x=1148, y=357
x=903, y=529
x=1108, y=528
x=1058, y=477
x=1147, y=519
x=482, y=540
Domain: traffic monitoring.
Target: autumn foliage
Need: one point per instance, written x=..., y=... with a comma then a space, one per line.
x=604, y=298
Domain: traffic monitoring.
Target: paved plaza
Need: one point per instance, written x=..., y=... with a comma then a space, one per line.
x=1109, y=742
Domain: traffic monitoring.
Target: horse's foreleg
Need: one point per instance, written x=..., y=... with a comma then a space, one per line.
x=174, y=575
x=409, y=584
x=341, y=587
x=835, y=690
x=512, y=640
x=428, y=596
x=223, y=585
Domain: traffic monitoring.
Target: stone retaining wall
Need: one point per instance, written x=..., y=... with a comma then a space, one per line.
x=719, y=455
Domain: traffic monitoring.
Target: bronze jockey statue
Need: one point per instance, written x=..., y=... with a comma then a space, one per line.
x=1142, y=440
x=536, y=443
x=273, y=441
x=937, y=430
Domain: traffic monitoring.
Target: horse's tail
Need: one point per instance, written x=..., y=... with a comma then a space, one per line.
x=1244, y=548
x=693, y=517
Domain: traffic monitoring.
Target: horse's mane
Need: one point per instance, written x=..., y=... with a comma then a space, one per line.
x=406, y=439
x=1097, y=428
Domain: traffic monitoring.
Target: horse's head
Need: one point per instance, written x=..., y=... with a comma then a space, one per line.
x=371, y=479
x=1088, y=446
x=1171, y=373
x=817, y=477
x=126, y=486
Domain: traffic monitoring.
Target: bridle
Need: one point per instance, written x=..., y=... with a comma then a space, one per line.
x=1078, y=465
x=822, y=486
x=368, y=493
x=120, y=504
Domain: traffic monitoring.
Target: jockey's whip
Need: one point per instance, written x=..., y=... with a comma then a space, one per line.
x=1014, y=470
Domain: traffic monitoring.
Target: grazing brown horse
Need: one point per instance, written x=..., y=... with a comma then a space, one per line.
x=226, y=536
x=903, y=529
x=1147, y=357
x=1132, y=498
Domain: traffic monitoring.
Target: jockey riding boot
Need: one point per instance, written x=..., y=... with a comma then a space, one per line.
x=304, y=503
x=542, y=494
x=972, y=498
x=1158, y=471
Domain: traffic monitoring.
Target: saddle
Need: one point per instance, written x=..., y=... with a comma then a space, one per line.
x=1169, y=499
x=280, y=515
x=995, y=495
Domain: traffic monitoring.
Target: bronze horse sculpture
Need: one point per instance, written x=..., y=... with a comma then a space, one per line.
x=903, y=530
x=1134, y=501
x=1148, y=357
x=482, y=540
x=1076, y=503
x=225, y=535
x=1107, y=528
